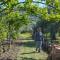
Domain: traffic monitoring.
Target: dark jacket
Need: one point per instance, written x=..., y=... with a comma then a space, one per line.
x=38, y=37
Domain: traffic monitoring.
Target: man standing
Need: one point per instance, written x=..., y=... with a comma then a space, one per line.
x=38, y=39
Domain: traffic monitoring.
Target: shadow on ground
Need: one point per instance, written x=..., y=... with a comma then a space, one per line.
x=29, y=44
x=25, y=58
x=26, y=44
x=18, y=43
x=29, y=53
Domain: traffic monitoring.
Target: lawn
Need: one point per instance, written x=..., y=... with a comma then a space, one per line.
x=25, y=35
x=27, y=51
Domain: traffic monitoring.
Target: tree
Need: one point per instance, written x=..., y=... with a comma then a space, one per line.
x=11, y=20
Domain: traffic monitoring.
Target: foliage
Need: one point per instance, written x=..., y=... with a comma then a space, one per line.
x=13, y=19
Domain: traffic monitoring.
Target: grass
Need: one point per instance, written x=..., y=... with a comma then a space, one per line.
x=27, y=50
x=25, y=35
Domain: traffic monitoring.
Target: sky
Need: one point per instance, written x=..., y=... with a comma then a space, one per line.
x=40, y=5
x=21, y=0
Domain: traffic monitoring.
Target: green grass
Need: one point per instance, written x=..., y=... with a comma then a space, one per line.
x=27, y=52
x=25, y=35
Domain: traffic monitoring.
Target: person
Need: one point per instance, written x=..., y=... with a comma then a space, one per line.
x=39, y=39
